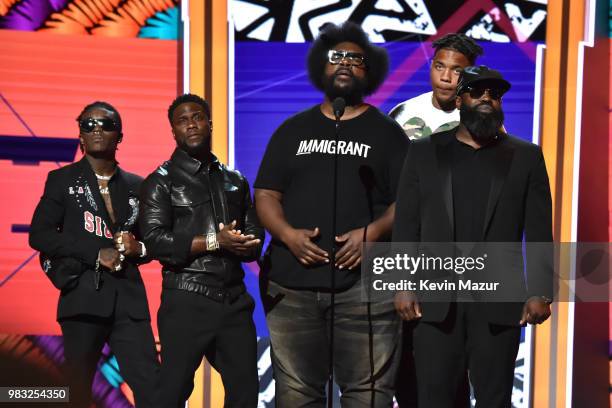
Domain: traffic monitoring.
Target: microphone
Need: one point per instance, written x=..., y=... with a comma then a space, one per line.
x=338, y=106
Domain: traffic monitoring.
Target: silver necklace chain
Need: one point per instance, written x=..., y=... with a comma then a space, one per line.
x=105, y=178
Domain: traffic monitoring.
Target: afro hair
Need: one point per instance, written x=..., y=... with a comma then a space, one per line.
x=376, y=58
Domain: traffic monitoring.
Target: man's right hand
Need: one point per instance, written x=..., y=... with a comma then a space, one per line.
x=109, y=257
x=299, y=242
x=407, y=305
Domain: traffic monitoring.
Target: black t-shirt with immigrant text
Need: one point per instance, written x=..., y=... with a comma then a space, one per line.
x=299, y=163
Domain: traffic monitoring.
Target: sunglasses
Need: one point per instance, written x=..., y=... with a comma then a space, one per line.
x=337, y=56
x=476, y=92
x=88, y=125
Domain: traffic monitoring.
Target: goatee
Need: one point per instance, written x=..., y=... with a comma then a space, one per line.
x=483, y=126
x=352, y=94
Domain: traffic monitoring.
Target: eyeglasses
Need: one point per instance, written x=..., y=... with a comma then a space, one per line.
x=335, y=57
x=88, y=125
x=476, y=92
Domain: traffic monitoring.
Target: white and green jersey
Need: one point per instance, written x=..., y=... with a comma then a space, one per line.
x=419, y=117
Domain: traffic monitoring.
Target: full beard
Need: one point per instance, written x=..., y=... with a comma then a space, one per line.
x=483, y=126
x=352, y=94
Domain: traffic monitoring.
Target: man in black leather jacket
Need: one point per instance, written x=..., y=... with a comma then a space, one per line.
x=199, y=221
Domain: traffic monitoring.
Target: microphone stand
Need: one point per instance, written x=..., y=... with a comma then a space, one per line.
x=367, y=179
x=338, y=107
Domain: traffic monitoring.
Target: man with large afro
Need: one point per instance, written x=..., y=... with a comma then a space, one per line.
x=326, y=185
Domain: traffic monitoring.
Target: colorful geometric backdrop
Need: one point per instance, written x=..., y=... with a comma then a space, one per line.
x=115, y=53
x=45, y=80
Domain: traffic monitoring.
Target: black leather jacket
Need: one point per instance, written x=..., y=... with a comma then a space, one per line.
x=184, y=198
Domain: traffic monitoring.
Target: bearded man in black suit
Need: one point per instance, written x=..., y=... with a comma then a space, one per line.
x=475, y=184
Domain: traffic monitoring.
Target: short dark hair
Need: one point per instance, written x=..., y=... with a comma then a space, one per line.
x=460, y=43
x=185, y=98
x=376, y=58
x=102, y=105
x=106, y=106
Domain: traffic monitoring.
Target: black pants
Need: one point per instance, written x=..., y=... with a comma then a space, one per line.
x=406, y=384
x=132, y=344
x=443, y=350
x=192, y=326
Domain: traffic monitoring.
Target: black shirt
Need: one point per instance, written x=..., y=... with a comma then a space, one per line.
x=471, y=174
x=299, y=162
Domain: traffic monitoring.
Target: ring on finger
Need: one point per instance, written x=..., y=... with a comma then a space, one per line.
x=118, y=267
x=121, y=257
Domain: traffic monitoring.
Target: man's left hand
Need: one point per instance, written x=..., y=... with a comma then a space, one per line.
x=349, y=255
x=234, y=240
x=535, y=311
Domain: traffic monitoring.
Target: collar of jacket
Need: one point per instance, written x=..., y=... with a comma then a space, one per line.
x=84, y=165
x=448, y=136
x=189, y=164
x=121, y=195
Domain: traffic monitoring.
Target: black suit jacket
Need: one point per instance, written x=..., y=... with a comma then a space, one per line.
x=519, y=205
x=71, y=222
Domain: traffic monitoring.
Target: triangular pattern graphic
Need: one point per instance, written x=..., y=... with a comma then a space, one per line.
x=422, y=24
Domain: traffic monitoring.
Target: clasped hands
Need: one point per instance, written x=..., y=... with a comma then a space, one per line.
x=234, y=240
x=126, y=245
x=301, y=244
